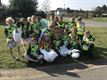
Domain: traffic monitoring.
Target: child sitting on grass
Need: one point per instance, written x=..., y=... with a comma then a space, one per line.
x=88, y=44
x=33, y=53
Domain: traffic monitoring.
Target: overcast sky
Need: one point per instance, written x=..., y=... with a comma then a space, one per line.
x=73, y=4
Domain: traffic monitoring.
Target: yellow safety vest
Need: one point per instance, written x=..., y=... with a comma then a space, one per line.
x=80, y=28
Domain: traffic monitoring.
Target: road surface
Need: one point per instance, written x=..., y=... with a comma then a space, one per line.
x=96, y=74
x=91, y=23
x=76, y=71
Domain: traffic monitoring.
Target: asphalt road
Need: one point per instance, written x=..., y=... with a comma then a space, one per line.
x=91, y=23
x=94, y=74
x=77, y=71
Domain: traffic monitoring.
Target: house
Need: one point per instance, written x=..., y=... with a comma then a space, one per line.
x=61, y=12
x=104, y=14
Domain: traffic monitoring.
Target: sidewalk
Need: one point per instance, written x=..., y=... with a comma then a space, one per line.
x=39, y=72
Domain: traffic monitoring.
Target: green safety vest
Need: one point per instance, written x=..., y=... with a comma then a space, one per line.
x=10, y=31
x=25, y=27
x=48, y=33
x=35, y=28
x=34, y=49
x=80, y=29
x=57, y=43
x=70, y=25
x=61, y=24
x=46, y=46
x=75, y=45
x=65, y=37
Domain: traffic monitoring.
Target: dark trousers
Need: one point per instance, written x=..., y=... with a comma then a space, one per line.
x=89, y=52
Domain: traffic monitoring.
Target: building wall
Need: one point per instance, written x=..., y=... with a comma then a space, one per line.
x=61, y=13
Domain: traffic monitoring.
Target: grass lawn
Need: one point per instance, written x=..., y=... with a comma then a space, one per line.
x=100, y=50
x=100, y=19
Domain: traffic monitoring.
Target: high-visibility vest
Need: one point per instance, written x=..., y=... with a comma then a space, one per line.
x=87, y=40
x=64, y=37
x=45, y=45
x=61, y=24
x=80, y=28
x=35, y=28
x=34, y=49
x=57, y=42
x=70, y=25
x=10, y=31
x=85, y=47
x=48, y=32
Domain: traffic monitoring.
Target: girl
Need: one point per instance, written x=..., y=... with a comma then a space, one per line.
x=9, y=35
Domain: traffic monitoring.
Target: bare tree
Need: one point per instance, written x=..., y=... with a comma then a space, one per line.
x=46, y=6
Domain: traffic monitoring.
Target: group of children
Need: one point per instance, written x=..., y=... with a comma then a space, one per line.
x=47, y=39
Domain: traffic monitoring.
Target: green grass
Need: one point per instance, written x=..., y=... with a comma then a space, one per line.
x=100, y=50
x=100, y=19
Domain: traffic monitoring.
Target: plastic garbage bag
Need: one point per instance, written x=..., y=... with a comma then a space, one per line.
x=75, y=55
x=49, y=56
x=17, y=35
x=75, y=51
x=64, y=51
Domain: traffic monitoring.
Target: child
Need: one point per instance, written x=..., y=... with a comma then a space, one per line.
x=88, y=44
x=9, y=35
x=71, y=26
x=61, y=24
x=80, y=29
x=56, y=20
x=46, y=47
x=56, y=39
x=34, y=27
x=33, y=52
x=51, y=22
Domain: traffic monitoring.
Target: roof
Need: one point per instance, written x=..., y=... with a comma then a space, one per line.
x=61, y=10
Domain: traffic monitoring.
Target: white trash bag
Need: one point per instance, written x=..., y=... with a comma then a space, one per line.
x=64, y=51
x=17, y=35
x=75, y=51
x=49, y=56
x=75, y=55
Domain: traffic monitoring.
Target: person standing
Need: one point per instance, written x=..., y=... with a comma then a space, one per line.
x=9, y=35
x=80, y=29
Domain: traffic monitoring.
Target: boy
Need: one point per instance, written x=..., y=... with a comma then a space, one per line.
x=88, y=44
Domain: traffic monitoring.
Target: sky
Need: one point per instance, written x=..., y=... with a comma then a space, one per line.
x=73, y=4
